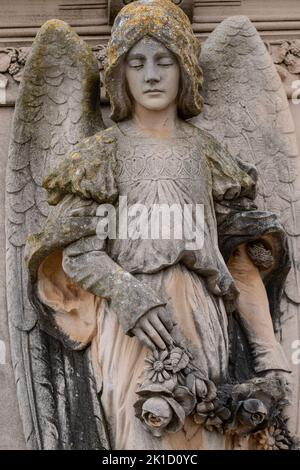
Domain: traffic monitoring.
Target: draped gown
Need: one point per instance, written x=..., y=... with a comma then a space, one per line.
x=120, y=279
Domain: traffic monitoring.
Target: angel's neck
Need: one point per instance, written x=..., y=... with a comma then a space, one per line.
x=161, y=124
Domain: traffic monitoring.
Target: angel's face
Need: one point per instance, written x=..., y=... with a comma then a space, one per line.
x=152, y=74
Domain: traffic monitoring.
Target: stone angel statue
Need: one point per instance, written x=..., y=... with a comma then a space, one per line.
x=131, y=341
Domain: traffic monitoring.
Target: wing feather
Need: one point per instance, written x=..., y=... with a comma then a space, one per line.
x=246, y=108
x=58, y=105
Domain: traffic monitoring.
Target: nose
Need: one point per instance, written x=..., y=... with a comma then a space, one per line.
x=151, y=72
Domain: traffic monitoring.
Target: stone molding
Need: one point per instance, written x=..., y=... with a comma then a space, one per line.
x=114, y=6
x=285, y=54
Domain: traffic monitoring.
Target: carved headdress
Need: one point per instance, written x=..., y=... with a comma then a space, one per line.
x=167, y=23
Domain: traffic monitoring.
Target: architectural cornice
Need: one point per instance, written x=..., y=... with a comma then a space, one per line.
x=285, y=54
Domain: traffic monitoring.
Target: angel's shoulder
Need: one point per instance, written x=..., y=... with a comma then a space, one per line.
x=221, y=162
x=206, y=141
x=88, y=171
x=99, y=145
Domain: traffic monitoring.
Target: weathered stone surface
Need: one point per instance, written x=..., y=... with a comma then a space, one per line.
x=60, y=77
x=89, y=181
x=10, y=421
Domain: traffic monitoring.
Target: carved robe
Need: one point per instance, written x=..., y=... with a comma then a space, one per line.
x=98, y=289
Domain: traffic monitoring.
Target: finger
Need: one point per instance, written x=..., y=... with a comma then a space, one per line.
x=161, y=329
x=165, y=318
x=154, y=335
x=143, y=338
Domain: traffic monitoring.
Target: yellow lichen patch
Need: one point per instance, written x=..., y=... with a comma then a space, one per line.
x=75, y=155
x=167, y=23
x=54, y=24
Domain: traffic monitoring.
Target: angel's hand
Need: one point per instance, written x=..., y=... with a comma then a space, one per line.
x=154, y=327
x=283, y=376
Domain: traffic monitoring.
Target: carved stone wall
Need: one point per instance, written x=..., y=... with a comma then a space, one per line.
x=278, y=23
x=10, y=422
x=286, y=56
x=20, y=20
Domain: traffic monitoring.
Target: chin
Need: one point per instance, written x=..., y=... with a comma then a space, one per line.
x=155, y=106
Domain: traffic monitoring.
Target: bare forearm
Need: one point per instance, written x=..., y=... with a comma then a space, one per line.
x=254, y=313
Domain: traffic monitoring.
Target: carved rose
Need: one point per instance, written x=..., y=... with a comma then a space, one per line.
x=156, y=414
x=252, y=412
x=160, y=413
x=163, y=407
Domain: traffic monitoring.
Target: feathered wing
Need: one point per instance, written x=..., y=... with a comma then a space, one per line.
x=58, y=105
x=246, y=109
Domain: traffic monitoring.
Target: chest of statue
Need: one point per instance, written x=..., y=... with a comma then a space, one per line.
x=179, y=161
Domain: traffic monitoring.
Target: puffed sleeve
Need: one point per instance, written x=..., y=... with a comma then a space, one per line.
x=234, y=188
x=234, y=182
x=88, y=171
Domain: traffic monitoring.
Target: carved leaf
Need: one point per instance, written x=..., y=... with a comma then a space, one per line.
x=179, y=359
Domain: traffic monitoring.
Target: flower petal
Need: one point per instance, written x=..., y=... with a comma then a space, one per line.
x=164, y=355
x=149, y=359
x=166, y=374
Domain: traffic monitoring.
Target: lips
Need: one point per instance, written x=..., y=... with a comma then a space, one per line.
x=153, y=91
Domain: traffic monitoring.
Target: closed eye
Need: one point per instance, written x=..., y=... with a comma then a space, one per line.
x=165, y=64
x=136, y=62
x=164, y=60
